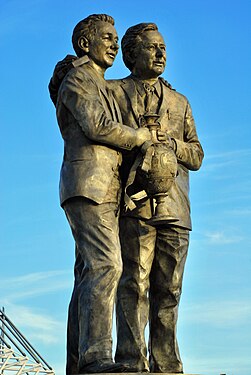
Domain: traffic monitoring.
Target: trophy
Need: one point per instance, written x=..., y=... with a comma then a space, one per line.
x=158, y=173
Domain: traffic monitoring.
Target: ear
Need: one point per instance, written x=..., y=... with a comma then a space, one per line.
x=131, y=57
x=83, y=43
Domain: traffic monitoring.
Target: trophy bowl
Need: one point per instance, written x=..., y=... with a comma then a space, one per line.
x=158, y=180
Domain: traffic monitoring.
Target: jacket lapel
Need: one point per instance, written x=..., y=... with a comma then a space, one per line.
x=130, y=90
x=164, y=104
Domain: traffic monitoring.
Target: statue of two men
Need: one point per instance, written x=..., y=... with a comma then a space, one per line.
x=101, y=126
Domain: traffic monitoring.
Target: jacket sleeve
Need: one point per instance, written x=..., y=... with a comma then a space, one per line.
x=82, y=97
x=189, y=151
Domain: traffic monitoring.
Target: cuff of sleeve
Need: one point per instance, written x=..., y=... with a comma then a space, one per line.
x=179, y=148
x=174, y=144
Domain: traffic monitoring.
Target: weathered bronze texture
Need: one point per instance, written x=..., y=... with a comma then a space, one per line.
x=153, y=257
x=158, y=177
x=91, y=127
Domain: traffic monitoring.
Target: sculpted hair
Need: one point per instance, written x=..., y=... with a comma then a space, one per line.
x=88, y=28
x=131, y=39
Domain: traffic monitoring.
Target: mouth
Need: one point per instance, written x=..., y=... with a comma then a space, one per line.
x=111, y=55
x=159, y=63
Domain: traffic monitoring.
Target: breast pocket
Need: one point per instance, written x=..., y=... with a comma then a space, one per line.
x=176, y=125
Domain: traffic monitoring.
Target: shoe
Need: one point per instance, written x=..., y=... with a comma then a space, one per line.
x=102, y=365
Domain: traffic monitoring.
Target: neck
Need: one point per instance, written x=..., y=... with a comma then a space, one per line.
x=150, y=81
x=98, y=69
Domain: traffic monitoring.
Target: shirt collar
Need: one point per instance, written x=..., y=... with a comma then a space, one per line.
x=141, y=90
x=80, y=61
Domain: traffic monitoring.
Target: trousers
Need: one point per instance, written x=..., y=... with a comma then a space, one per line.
x=97, y=270
x=149, y=290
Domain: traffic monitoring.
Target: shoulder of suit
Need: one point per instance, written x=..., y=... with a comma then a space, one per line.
x=118, y=81
x=114, y=82
x=80, y=74
x=167, y=84
x=176, y=93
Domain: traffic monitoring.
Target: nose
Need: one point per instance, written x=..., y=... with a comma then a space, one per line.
x=115, y=46
x=159, y=52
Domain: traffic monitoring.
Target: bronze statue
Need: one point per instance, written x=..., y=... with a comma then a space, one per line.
x=94, y=135
x=153, y=256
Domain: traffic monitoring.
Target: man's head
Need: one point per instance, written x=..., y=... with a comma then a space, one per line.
x=144, y=51
x=96, y=37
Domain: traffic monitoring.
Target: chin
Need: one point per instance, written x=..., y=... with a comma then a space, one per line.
x=159, y=70
x=109, y=63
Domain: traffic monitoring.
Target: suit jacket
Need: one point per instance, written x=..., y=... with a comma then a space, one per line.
x=88, y=118
x=177, y=120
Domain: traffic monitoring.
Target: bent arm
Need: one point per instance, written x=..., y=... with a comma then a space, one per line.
x=81, y=95
x=189, y=151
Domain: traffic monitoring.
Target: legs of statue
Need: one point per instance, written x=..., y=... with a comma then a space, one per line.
x=165, y=290
x=137, y=244
x=72, y=333
x=98, y=267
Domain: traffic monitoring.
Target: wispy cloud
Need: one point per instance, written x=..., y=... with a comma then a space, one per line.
x=37, y=322
x=212, y=364
x=34, y=284
x=37, y=325
x=224, y=314
x=239, y=212
x=231, y=155
x=221, y=238
x=224, y=161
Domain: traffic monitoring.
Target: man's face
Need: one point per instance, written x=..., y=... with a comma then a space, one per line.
x=104, y=46
x=150, y=56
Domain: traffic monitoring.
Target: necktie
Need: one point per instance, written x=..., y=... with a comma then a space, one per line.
x=149, y=96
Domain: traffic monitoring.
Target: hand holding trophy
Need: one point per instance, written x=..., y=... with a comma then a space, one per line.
x=158, y=171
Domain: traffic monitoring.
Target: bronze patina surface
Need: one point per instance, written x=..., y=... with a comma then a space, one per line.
x=106, y=143
x=91, y=127
x=153, y=257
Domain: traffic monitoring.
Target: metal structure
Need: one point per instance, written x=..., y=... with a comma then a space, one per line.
x=17, y=355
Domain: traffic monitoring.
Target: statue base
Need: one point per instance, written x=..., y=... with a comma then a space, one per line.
x=133, y=373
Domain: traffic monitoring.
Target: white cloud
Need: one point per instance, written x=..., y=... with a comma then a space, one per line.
x=224, y=314
x=240, y=212
x=231, y=155
x=36, y=325
x=221, y=238
x=226, y=165
x=217, y=364
x=34, y=284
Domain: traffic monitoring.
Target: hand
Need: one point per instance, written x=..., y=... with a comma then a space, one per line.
x=164, y=137
x=142, y=135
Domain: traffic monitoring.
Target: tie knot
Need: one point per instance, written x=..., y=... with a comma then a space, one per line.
x=148, y=88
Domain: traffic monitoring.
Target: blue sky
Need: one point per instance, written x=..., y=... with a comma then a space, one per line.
x=208, y=60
